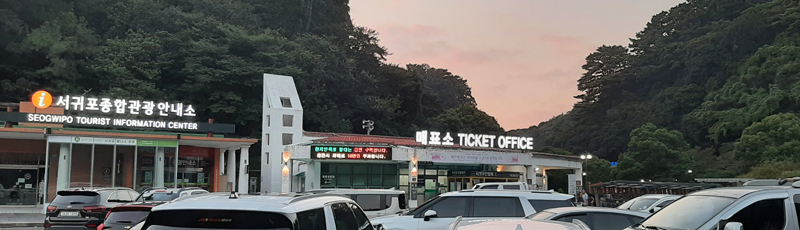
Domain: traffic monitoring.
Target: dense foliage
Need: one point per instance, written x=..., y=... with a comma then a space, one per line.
x=213, y=54
x=724, y=74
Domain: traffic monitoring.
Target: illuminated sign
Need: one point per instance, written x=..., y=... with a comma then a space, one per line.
x=473, y=140
x=351, y=153
x=41, y=99
x=115, y=122
x=120, y=106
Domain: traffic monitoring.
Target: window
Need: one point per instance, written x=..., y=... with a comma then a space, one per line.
x=286, y=102
x=665, y=203
x=388, y=201
x=497, y=207
x=287, y=120
x=127, y=217
x=67, y=197
x=268, y=121
x=123, y=196
x=489, y=187
x=609, y=221
x=635, y=219
x=540, y=205
x=287, y=138
x=511, y=187
x=311, y=220
x=402, y=199
x=369, y=202
x=765, y=214
x=797, y=204
x=581, y=217
x=215, y=219
x=199, y=192
x=343, y=217
x=133, y=194
x=450, y=207
x=361, y=218
x=689, y=212
x=267, y=139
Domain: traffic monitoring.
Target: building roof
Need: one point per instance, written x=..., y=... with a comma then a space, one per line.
x=349, y=138
x=199, y=141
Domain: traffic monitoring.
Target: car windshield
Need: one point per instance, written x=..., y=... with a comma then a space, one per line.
x=158, y=197
x=77, y=198
x=688, y=213
x=126, y=217
x=216, y=219
x=639, y=203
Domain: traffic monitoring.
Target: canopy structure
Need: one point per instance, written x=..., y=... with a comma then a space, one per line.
x=614, y=193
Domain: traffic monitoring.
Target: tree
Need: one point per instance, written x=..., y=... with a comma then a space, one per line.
x=448, y=90
x=597, y=170
x=654, y=154
x=775, y=138
x=602, y=67
x=774, y=170
x=467, y=119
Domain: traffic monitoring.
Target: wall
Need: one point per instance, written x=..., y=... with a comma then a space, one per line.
x=275, y=88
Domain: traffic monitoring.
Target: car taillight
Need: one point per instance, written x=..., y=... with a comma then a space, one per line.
x=100, y=227
x=94, y=208
x=47, y=225
x=91, y=226
x=51, y=208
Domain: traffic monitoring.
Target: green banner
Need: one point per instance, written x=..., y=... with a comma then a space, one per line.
x=153, y=143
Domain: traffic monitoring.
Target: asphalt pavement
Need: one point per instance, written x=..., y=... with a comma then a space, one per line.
x=33, y=228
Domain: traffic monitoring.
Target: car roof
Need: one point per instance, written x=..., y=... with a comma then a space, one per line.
x=97, y=189
x=356, y=191
x=517, y=224
x=736, y=192
x=528, y=194
x=511, y=183
x=658, y=196
x=565, y=210
x=265, y=203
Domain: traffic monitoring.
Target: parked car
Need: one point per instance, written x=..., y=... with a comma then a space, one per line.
x=513, y=224
x=375, y=202
x=730, y=208
x=168, y=194
x=438, y=212
x=596, y=218
x=231, y=211
x=649, y=203
x=502, y=186
x=128, y=215
x=82, y=208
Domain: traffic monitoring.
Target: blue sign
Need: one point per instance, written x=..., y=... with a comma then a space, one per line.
x=614, y=163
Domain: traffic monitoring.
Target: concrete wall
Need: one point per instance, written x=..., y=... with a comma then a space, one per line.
x=275, y=88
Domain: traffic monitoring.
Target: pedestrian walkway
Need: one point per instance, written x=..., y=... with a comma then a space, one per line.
x=21, y=216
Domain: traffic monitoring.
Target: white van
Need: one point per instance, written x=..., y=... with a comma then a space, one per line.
x=502, y=186
x=374, y=202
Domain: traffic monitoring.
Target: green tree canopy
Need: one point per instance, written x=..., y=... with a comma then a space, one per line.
x=654, y=154
x=775, y=138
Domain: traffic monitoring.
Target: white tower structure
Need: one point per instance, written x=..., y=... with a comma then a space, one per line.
x=282, y=125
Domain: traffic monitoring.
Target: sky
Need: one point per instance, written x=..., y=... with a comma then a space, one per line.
x=522, y=58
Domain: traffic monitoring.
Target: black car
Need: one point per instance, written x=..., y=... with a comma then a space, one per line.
x=84, y=208
x=125, y=216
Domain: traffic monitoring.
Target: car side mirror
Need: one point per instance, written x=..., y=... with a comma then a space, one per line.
x=379, y=227
x=654, y=210
x=430, y=214
x=734, y=226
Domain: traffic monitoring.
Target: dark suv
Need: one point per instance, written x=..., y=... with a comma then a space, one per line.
x=83, y=208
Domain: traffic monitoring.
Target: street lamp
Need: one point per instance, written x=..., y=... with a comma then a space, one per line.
x=690, y=171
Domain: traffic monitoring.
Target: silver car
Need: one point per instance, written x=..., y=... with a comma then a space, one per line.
x=595, y=218
x=649, y=203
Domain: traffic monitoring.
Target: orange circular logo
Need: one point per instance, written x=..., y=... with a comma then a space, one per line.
x=41, y=99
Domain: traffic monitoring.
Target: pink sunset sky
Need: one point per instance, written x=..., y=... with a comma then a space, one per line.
x=522, y=58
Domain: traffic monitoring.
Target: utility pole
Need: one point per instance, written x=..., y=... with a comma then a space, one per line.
x=368, y=125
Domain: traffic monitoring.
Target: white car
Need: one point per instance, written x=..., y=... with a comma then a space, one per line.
x=596, y=218
x=514, y=224
x=283, y=212
x=375, y=202
x=168, y=194
x=438, y=212
x=502, y=186
x=649, y=203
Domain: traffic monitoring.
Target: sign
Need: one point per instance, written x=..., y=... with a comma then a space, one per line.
x=483, y=174
x=27, y=176
x=201, y=178
x=328, y=179
x=154, y=143
x=572, y=180
x=351, y=153
x=115, y=122
x=473, y=140
x=613, y=164
x=148, y=177
x=118, y=106
x=41, y=99
x=460, y=157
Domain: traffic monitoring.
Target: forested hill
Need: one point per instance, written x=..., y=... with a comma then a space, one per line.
x=724, y=74
x=213, y=53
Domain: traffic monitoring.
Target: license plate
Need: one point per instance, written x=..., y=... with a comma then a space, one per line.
x=68, y=213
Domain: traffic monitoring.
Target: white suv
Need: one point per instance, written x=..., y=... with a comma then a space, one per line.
x=438, y=212
x=283, y=212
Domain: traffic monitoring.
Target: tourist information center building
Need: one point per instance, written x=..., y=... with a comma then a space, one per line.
x=49, y=144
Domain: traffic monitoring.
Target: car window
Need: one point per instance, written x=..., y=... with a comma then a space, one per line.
x=215, y=219
x=605, y=221
x=402, y=199
x=160, y=197
x=765, y=214
x=797, y=205
x=665, y=203
x=126, y=217
x=199, y=192
x=449, y=207
x=510, y=187
x=642, y=204
x=343, y=217
x=540, y=205
x=582, y=217
x=113, y=196
x=123, y=196
x=388, y=203
x=361, y=218
x=689, y=212
x=497, y=207
x=88, y=198
x=541, y=215
x=133, y=194
x=369, y=202
x=313, y=219
x=635, y=219
x=494, y=186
